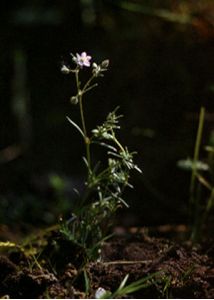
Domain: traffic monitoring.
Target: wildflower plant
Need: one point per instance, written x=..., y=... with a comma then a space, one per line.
x=106, y=181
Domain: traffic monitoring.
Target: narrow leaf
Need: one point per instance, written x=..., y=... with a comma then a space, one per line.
x=204, y=182
x=123, y=282
x=106, y=145
x=76, y=126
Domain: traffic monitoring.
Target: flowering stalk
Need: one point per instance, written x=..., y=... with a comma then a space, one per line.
x=104, y=186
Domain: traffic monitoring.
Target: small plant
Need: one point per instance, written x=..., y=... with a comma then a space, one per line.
x=106, y=181
x=201, y=183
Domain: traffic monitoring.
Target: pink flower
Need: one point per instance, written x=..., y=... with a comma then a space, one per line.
x=82, y=60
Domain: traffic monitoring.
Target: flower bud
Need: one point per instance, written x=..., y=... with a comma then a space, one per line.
x=105, y=64
x=96, y=71
x=65, y=69
x=94, y=65
x=74, y=100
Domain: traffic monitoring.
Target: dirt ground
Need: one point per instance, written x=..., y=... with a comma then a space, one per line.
x=184, y=271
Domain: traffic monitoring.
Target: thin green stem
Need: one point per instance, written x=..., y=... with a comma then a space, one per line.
x=194, y=198
x=196, y=153
x=82, y=117
x=116, y=141
x=77, y=79
x=210, y=202
x=89, y=88
x=87, y=84
x=196, y=229
x=86, y=138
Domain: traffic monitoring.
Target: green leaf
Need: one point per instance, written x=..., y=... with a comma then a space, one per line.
x=135, y=286
x=87, y=282
x=76, y=126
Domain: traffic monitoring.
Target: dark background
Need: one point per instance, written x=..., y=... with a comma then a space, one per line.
x=161, y=73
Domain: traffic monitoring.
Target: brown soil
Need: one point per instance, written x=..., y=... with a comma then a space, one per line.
x=184, y=271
